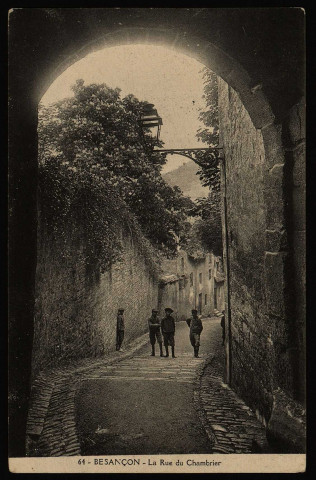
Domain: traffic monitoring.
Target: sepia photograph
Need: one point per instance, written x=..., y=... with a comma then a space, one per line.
x=157, y=240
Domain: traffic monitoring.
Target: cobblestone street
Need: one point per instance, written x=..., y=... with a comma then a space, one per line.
x=132, y=403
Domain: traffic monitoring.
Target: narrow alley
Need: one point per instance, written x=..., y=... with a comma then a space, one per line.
x=132, y=403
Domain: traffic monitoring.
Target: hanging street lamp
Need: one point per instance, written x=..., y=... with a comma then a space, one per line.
x=150, y=119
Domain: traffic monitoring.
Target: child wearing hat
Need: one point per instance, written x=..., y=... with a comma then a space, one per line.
x=168, y=328
x=154, y=332
x=196, y=327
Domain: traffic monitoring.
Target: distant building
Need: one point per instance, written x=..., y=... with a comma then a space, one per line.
x=192, y=282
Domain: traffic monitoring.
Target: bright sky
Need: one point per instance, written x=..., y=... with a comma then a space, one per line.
x=168, y=79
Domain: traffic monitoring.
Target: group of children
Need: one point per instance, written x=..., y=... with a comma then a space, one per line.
x=163, y=331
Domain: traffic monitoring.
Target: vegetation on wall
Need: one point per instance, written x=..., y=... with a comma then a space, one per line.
x=97, y=169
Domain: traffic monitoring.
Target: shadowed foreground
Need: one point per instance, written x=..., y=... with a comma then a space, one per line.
x=145, y=405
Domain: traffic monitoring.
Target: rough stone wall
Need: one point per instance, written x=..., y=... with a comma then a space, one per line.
x=76, y=310
x=251, y=361
x=296, y=217
x=265, y=274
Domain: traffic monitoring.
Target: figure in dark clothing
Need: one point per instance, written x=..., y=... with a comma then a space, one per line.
x=120, y=327
x=168, y=328
x=223, y=327
x=154, y=332
x=196, y=327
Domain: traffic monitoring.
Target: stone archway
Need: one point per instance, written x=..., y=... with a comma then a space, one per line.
x=211, y=56
x=194, y=46
x=52, y=41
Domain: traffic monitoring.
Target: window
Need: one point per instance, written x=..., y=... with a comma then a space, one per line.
x=191, y=279
x=200, y=277
x=210, y=273
x=205, y=299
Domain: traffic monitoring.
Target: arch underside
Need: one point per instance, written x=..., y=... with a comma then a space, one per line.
x=210, y=55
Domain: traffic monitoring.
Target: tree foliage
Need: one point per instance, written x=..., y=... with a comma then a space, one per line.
x=206, y=233
x=209, y=171
x=207, y=230
x=97, y=167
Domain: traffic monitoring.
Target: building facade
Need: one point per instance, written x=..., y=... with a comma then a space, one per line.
x=189, y=283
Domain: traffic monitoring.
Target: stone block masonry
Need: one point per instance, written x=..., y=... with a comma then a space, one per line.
x=259, y=253
x=76, y=311
x=251, y=373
